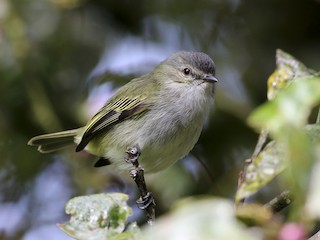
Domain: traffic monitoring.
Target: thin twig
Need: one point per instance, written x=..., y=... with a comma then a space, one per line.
x=146, y=201
x=204, y=166
x=280, y=202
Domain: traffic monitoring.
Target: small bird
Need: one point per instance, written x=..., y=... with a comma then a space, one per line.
x=162, y=113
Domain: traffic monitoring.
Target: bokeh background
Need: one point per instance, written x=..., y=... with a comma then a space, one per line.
x=61, y=59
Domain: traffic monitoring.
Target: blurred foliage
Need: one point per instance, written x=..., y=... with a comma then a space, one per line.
x=50, y=68
x=285, y=118
x=291, y=109
x=200, y=218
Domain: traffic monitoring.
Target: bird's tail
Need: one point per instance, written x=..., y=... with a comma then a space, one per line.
x=54, y=141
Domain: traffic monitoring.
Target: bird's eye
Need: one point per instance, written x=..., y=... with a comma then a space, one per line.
x=186, y=71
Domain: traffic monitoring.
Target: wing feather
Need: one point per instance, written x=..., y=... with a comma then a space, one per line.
x=111, y=114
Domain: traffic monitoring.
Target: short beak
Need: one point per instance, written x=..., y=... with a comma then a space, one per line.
x=210, y=78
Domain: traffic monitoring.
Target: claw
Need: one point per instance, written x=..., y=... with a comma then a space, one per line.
x=146, y=201
x=133, y=154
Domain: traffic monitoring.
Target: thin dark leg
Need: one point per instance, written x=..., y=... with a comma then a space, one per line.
x=146, y=201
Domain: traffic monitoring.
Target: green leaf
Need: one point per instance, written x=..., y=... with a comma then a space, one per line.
x=288, y=69
x=265, y=167
x=291, y=107
x=98, y=217
x=272, y=160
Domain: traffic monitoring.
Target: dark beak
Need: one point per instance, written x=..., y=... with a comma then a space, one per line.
x=210, y=78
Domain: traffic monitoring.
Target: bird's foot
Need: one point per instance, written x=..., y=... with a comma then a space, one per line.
x=146, y=201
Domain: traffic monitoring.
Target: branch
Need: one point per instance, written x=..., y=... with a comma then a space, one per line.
x=280, y=202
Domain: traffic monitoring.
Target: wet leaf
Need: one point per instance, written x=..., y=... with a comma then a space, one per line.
x=98, y=217
x=287, y=70
x=265, y=167
x=272, y=160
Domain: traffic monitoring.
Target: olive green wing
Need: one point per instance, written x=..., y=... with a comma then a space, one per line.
x=112, y=113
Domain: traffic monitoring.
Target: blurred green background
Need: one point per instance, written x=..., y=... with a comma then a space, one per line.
x=61, y=59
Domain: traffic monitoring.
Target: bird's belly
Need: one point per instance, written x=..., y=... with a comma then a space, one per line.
x=162, y=142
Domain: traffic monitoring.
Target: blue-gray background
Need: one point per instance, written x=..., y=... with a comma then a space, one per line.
x=61, y=59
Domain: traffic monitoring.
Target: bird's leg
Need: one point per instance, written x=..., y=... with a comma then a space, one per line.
x=146, y=201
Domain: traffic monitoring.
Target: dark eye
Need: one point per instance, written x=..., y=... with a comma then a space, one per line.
x=186, y=71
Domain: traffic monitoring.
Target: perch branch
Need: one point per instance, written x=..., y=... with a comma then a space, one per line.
x=281, y=201
x=146, y=201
